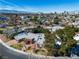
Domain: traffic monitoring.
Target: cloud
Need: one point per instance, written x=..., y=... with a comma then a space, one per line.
x=9, y=6
x=9, y=3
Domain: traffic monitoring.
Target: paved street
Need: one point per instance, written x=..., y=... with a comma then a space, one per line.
x=9, y=54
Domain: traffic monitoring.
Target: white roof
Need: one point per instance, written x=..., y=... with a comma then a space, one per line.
x=76, y=23
x=38, y=37
x=76, y=37
x=54, y=28
x=58, y=42
x=20, y=36
x=57, y=27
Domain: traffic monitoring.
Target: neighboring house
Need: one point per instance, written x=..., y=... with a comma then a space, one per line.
x=11, y=31
x=75, y=23
x=3, y=21
x=4, y=18
x=58, y=41
x=3, y=25
x=20, y=36
x=76, y=37
x=30, y=23
x=54, y=28
x=25, y=18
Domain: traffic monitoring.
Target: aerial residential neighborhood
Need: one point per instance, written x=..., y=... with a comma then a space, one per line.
x=52, y=34
x=39, y=29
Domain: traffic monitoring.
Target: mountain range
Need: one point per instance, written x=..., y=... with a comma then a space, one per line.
x=25, y=12
x=13, y=11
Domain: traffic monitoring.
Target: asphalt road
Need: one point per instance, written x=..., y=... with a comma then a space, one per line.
x=9, y=54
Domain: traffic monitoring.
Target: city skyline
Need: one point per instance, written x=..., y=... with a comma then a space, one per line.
x=40, y=5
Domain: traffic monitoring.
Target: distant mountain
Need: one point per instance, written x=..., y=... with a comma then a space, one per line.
x=13, y=11
x=25, y=12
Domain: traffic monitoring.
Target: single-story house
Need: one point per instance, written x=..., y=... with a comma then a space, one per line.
x=58, y=40
x=53, y=28
x=3, y=25
x=38, y=37
x=20, y=36
x=24, y=18
x=4, y=18
x=76, y=37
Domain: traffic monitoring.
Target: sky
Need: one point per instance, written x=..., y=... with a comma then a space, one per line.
x=40, y=5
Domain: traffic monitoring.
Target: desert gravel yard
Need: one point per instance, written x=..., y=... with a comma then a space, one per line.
x=11, y=42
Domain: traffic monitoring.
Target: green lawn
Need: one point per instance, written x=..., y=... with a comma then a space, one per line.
x=2, y=29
